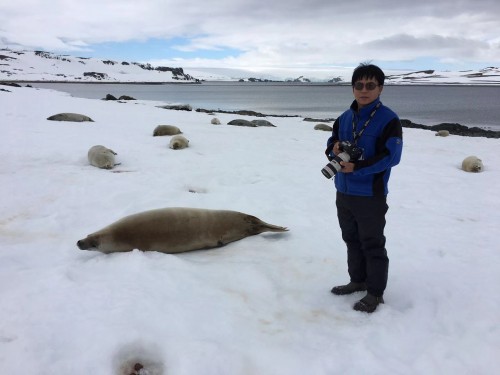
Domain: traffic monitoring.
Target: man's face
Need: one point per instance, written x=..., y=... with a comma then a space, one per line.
x=366, y=90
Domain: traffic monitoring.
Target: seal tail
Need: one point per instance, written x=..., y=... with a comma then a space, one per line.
x=259, y=226
x=273, y=228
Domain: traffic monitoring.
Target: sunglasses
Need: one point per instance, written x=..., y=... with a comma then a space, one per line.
x=369, y=86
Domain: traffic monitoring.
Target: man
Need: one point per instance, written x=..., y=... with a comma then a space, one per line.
x=362, y=184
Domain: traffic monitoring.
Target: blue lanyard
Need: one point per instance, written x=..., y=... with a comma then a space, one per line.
x=355, y=134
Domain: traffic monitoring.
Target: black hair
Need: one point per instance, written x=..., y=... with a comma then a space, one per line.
x=368, y=71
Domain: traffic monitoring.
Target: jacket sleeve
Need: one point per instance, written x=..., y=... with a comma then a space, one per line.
x=389, y=149
x=331, y=141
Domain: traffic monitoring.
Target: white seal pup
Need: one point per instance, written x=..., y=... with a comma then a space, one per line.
x=75, y=117
x=215, y=121
x=178, y=142
x=472, y=164
x=161, y=130
x=175, y=230
x=443, y=133
x=101, y=157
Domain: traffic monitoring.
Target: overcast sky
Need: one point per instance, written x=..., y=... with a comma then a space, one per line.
x=262, y=35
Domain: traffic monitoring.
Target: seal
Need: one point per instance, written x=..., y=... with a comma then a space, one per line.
x=472, y=164
x=241, y=122
x=161, y=130
x=443, y=133
x=178, y=142
x=175, y=230
x=75, y=117
x=101, y=157
x=324, y=127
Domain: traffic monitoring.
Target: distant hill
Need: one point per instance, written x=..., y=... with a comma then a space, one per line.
x=486, y=76
x=47, y=66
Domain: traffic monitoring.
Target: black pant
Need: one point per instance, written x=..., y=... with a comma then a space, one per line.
x=362, y=222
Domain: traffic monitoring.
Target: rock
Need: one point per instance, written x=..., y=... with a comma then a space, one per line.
x=455, y=129
x=110, y=97
x=178, y=107
x=243, y=113
x=12, y=84
x=96, y=75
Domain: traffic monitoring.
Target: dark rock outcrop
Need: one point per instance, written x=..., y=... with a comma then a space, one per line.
x=96, y=75
x=456, y=129
x=243, y=113
x=110, y=97
x=177, y=107
x=12, y=84
x=3, y=57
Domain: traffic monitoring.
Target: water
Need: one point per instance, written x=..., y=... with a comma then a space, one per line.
x=428, y=105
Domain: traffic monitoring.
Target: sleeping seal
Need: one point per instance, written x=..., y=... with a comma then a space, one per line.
x=161, y=130
x=178, y=142
x=101, y=157
x=175, y=230
x=67, y=116
x=472, y=164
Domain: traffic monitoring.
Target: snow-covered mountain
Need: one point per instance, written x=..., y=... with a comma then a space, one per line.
x=47, y=66
x=486, y=76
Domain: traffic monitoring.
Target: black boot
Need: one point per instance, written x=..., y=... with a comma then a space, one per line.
x=349, y=288
x=368, y=303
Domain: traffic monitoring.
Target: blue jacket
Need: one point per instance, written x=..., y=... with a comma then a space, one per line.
x=382, y=142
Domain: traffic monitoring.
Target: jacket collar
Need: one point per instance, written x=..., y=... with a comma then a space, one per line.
x=365, y=111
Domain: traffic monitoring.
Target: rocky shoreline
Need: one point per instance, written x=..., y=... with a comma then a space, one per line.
x=455, y=129
x=452, y=128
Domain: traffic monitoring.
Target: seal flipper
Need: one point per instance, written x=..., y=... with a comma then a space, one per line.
x=259, y=226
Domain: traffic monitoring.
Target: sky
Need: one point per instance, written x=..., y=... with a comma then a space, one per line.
x=261, y=305
x=262, y=36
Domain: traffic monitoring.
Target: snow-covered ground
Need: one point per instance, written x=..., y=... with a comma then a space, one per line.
x=261, y=305
x=47, y=66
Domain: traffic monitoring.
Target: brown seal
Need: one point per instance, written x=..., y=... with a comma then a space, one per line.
x=75, y=117
x=175, y=230
x=161, y=130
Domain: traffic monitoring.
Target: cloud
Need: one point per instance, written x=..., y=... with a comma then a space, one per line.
x=263, y=34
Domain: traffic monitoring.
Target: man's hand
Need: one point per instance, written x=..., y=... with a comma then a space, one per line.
x=347, y=167
x=336, y=149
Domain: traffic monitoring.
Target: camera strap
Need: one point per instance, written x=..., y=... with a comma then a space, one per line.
x=358, y=134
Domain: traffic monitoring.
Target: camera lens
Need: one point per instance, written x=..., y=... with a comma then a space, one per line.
x=334, y=166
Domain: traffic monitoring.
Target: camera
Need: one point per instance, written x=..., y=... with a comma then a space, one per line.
x=348, y=152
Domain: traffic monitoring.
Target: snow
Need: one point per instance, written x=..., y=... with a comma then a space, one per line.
x=261, y=305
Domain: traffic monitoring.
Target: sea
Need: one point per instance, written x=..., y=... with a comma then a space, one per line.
x=423, y=104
